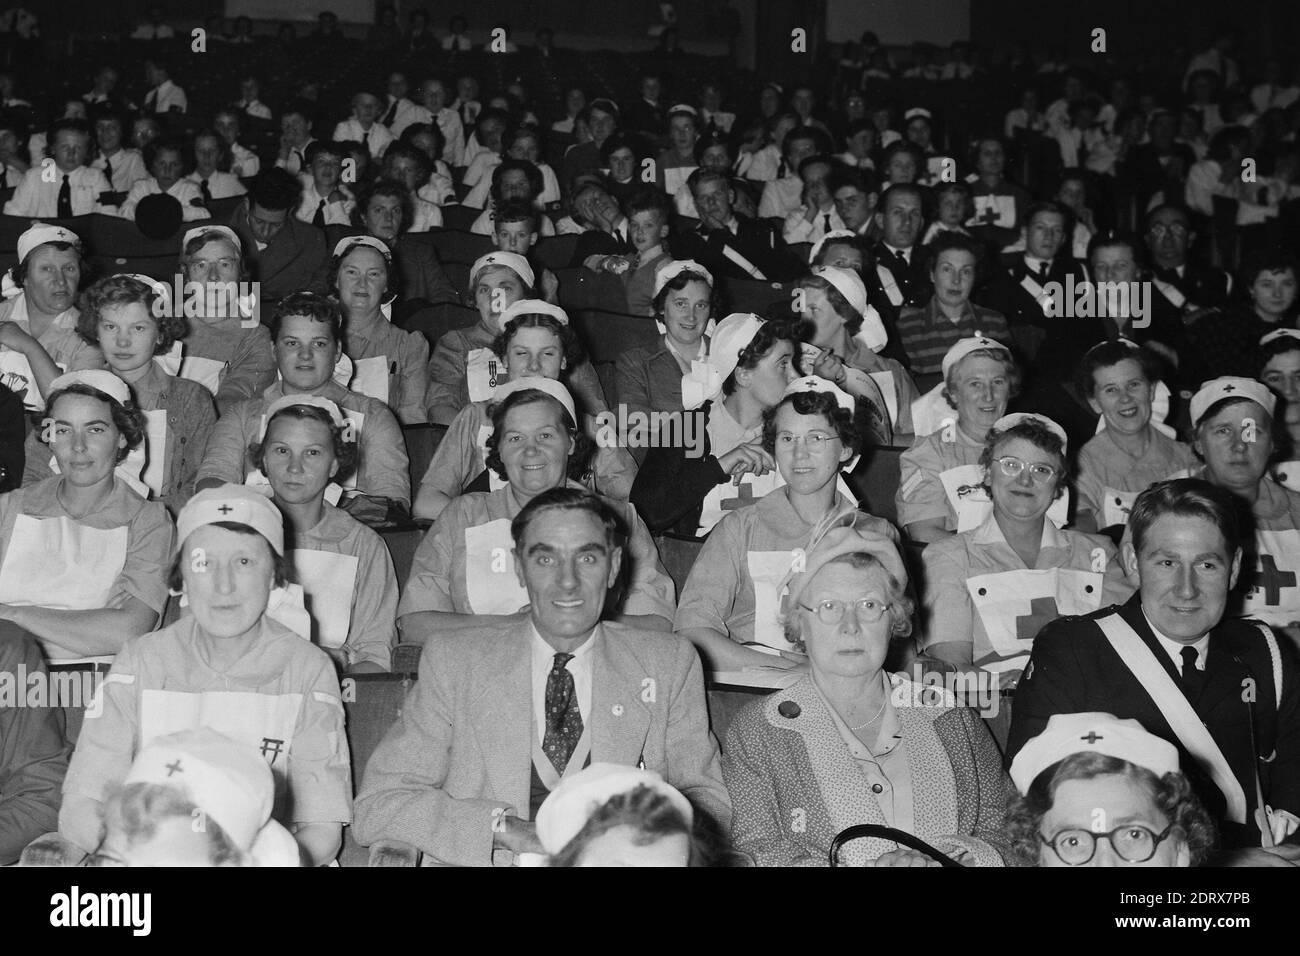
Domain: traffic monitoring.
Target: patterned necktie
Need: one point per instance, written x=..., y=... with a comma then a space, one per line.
x=207, y=193
x=1193, y=679
x=319, y=218
x=390, y=115
x=563, y=718
x=65, y=198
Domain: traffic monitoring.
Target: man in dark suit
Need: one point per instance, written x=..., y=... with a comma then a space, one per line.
x=900, y=278
x=647, y=115
x=285, y=254
x=1185, y=287
x=1232, y=678
x=731, y=245
x=608, y=236
x=1021, y=287
x=506, y=710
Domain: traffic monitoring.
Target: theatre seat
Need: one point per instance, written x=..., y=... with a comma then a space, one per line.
x=875, y=481
x=755, y=295
x=371, y=702
x=435, y=320
x=460, y=218
x=678, y=553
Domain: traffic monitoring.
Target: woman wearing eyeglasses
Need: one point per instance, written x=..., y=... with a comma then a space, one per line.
x=990, y=589
x=850, y=743
x=728, y=608
x=1099, y=791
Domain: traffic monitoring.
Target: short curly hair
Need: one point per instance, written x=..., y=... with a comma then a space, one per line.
x=769, y=333
x=127, y=419
x=1172, y=795
x=498, y=411
x=901, y=606
x=1109, y=354
x=1038, y=435
x=814, y=403
x=346, y=453
x=574, y=353
x=119, y=290
x=679, y=282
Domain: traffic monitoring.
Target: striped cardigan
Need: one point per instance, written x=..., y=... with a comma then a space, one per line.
x=794, y=784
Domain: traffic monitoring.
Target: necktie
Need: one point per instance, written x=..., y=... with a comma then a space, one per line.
x=563, y=718
x=365, y=139
x=207, y=193
x=390, y=115
x=1042, y=271
x=319, y=218
x=4, y=176
x=65, y=198
x=1193, y=679
x=108, y=171
x=826, y=223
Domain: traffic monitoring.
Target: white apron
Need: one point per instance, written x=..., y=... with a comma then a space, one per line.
x=999, y=211
x=60, y=564
x=1116, y=506
x=1014, y=605
x=328, y=581
x=263, y=721
x=1274, y=595
x=490, y=580
x=370, y=377
x=768, y=569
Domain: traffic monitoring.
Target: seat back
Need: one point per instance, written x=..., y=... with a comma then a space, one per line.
x=678, y=554
x=875, y=481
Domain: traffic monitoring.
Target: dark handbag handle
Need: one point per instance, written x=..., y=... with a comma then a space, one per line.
x=860, y=830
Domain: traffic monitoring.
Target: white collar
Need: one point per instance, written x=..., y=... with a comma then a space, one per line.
x=1175, y=648
x=543, y=649
x=905, y=253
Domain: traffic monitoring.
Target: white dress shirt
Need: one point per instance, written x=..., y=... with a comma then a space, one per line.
x=36, y=198
x=337, y=213
x=1175, y=648
x=163, y=97
x=220, y=185
x=184, y=191
x=580, y=666
x=254, y=108
x=376, y=138
x=128, y=168
x=297, y=160
x=244, y=162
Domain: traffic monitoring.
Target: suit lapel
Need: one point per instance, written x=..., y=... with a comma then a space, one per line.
x=620, y=719
x=503, y=716
x=1223, y=674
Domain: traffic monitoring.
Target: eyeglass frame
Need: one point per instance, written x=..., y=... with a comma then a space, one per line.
x=1053, y=471
x=1157, y=839
x=844, y=608
x=797, y=440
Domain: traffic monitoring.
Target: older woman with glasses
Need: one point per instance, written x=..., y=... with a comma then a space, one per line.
x=849, y=743
x=990, y=589
x=1099, y=791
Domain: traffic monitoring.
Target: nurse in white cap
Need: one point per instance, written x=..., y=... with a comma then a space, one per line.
x=131, y=317
x=461, y=570
x=1099, y=791
x=389, y=364
x=1233, y=426
x=38, y=319
x=82, y=554
x=536, y=341
x=1279, y=369
x=941, y=469
x=850, y=335
x=989, y=590
x=229, y=667
x=228, y=350
x=463, y=367
x=729, y=607
x=715, y=462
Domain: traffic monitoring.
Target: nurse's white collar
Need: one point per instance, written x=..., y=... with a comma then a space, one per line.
x=990, y=532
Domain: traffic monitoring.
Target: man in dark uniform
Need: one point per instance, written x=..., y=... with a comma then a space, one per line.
x=730, y=245
x=900, y=277
x=1226, y=693
x=1186, y=287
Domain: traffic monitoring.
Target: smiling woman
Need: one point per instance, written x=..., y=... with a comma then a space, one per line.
x=462, y=569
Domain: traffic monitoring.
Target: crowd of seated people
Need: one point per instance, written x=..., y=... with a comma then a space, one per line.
x=688, y=323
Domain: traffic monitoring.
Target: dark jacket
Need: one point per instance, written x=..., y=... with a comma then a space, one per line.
x=1073, y=669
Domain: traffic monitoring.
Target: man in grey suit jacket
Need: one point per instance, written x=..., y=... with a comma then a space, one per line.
x=501, y=713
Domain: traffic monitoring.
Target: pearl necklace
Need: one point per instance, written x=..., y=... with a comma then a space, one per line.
x=874, y=716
